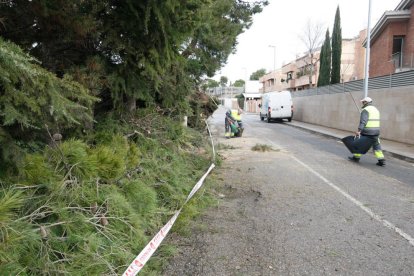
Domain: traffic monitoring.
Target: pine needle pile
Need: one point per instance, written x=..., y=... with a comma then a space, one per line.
x=262, y=148
x=85, y=204
x=88, y=207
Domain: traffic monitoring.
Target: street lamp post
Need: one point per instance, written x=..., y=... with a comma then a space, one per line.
x=367, y=56
x=244, y=78
x=274, y=56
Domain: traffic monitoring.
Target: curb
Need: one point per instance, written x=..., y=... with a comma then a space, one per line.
x=399, y=156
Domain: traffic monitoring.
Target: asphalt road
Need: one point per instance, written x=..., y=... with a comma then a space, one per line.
x=302, y=209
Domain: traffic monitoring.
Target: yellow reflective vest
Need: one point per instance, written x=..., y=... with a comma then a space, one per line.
x=370, y=121
x=235, y=114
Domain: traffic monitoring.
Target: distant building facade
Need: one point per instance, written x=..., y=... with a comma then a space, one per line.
x=299, y=74
x=228, y=96
x=272, y=81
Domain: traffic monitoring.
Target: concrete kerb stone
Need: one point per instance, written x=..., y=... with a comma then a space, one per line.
x=399, y=156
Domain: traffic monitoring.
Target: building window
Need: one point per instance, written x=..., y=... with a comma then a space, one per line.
x=397, y=50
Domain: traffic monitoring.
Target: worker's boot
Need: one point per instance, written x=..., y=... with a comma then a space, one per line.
x=381, y=162
x=353, y=158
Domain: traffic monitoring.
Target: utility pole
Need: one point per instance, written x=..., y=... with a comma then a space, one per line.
x=367, y=55
x=244, y=78
x=274, y=56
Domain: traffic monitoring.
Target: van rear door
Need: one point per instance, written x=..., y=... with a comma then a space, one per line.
x=281, y=105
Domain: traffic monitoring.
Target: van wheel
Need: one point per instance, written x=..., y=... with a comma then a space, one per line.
x=268, y=118
x=290, y=119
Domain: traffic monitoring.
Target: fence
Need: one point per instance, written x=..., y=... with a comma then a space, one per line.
x=226, y=92
x=389, y=81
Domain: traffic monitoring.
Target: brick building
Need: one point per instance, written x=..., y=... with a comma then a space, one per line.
x=296, y=75
x=392, y=41
x=272, y=81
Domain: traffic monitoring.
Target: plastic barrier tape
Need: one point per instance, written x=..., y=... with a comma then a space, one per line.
x=212, y=143
x=152, y=246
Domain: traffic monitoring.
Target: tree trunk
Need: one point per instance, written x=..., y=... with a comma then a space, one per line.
x=311, y=71
x=131, y=104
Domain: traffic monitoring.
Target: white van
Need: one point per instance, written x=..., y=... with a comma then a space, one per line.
x=276, y=106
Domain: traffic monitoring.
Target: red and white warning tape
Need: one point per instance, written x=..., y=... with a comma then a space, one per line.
x=152, y=246
x=142, y=258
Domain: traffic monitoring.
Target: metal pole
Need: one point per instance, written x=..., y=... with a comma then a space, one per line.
x=367, y=56
x=274, y=57
x=244, y=79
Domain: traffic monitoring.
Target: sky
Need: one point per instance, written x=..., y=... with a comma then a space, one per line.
x=281, y=24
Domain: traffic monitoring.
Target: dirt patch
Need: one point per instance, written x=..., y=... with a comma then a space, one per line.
x=223, y=239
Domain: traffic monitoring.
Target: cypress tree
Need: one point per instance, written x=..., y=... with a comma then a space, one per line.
x=325, y=61
x=321, y=68
x=336, y=49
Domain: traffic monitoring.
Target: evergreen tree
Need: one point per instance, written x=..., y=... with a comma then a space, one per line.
x=34, y=101
x=223, y=81
x=209, y=83
x=239, y=83
x=336, y=49
x=321, y=67
x=124, y=51
x=325, y=62
x=258, y=74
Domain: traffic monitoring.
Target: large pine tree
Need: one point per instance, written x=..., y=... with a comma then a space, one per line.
x=124, y=51
x=150, y=52
x=336, y=49
x=34, y=101
x=325, y=62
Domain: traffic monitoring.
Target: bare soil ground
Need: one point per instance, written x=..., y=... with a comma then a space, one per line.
x=224, y=239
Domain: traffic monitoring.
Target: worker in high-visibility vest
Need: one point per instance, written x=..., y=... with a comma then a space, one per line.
x=369, y=125
x=236, y=114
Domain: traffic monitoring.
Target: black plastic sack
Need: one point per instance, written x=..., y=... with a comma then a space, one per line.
x=358, y=144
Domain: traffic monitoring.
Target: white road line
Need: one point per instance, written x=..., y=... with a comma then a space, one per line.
x=384, y=222
x=378, y=218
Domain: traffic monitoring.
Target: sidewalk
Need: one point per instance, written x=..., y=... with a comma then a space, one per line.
x=395, y=149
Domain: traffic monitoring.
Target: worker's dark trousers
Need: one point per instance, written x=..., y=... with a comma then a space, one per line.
x=376, y=147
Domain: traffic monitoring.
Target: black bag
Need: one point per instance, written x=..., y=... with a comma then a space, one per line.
x=360, y=144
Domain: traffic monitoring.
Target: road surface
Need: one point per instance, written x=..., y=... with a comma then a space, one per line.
x=301, y=209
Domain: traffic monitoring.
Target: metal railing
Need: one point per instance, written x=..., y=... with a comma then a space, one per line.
x=402, y=62
x=225, y=91
x=389, y=81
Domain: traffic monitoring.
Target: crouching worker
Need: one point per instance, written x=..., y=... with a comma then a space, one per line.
x=236, y=114
x=229, y=120
x=233, y=124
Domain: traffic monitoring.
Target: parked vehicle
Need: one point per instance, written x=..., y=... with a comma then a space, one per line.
x=276, y=106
